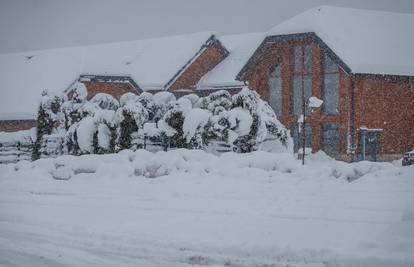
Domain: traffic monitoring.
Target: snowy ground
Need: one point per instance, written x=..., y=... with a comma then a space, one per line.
x=184, y=208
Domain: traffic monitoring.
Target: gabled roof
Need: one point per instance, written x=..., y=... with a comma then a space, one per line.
x=366, y=41
x=211, y=40
x=307, y=36
x=151, y=63
x=241, y=47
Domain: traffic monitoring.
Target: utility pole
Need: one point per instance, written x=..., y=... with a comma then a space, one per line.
x=303, y=106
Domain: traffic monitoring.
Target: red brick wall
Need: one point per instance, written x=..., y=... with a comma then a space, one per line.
x=384, y=103
x=16, y=125
x=380, y=102
x=205, y=62
x=112, y=88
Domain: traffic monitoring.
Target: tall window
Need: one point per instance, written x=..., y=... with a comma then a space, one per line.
x=330, y=87
x=275, y=88
x=330, y=139
x=302, y=77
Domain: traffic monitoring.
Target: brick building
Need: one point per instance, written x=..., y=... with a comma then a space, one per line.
x=365, y=80
x=364, y=74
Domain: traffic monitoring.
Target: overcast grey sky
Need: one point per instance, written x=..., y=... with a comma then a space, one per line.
x=39, y=24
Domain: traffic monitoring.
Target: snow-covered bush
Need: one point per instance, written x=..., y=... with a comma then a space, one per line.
x=172, y=123
x=217, y=102
x=96, y=133
x=243, y=121
x=264, y=125
x=155, y=109
x=164, y=98
x=194, y=127
x=193, y=99
x=105, y=101
x=131, y=117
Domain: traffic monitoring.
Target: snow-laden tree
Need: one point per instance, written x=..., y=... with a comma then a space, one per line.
x=72, y=107
x=96, y=131
x=48, y=116
x=171, y=125
x=131, y=117
x=264, y=124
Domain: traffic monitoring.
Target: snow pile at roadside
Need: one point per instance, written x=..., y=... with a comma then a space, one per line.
x=129, y=163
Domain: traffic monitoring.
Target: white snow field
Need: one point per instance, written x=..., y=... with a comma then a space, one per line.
x=190, y=208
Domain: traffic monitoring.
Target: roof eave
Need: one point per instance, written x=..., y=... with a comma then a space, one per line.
x=128, y=78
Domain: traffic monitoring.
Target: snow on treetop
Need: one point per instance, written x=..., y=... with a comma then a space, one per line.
x=196, y=119
x=164, y=97
x=367, y=41
x=150, y=61
x=105, y=101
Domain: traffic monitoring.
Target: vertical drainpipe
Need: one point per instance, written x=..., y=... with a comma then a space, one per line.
x=352, y=119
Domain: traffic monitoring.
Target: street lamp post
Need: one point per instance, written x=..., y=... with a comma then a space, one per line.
x=313, y=103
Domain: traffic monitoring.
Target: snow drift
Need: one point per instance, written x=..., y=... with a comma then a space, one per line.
x=188, y=207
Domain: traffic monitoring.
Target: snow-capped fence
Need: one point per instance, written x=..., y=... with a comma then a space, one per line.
x=220, y=147
x=16, y=146
x=14, y=152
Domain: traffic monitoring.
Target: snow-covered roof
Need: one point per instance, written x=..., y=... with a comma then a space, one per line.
x=241, y=47
x=373, y=42
x=150, y=62
x=17, y=116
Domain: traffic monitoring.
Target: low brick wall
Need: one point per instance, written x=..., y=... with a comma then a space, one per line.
x=16, y=125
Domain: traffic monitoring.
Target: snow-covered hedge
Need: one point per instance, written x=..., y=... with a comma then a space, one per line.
x=105, y=125
x=143, y=163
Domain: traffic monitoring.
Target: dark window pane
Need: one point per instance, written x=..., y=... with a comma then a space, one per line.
x=308, y=90
x=369, y=145
x=275, y=71
x=297, y=59
x=297, y=136
x=330, y=139
x=331, y=94
x=297, y=93
x=308, y=59
x=329, y=64
x=275, y=94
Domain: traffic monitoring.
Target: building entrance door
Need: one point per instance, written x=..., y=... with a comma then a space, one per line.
x=369, y=144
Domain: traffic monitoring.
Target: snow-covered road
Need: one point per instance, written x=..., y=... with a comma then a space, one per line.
x=234, y=210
